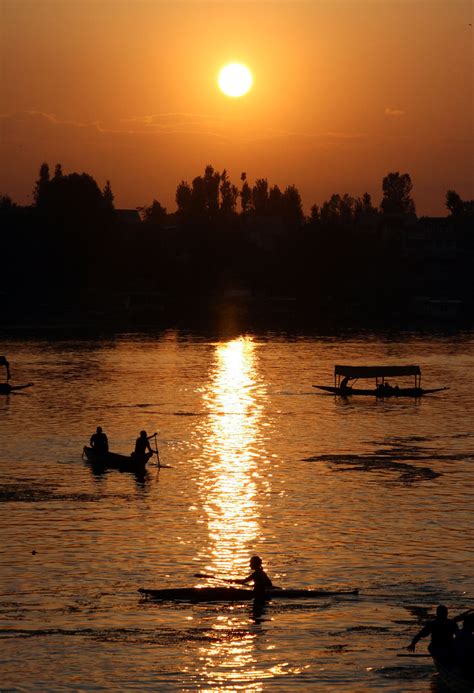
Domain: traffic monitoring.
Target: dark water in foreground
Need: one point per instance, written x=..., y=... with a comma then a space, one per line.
x=332, y=493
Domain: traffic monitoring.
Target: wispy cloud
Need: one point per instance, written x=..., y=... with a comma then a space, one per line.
x=36, y=122
x=393, y=112
x=41, y=126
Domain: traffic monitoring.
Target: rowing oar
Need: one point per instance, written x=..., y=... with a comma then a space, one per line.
x=205, y=576
x=156, y=447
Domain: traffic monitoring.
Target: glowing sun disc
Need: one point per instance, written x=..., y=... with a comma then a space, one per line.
x=235, y=79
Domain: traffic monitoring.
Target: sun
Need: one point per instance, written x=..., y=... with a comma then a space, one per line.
x=235, y=79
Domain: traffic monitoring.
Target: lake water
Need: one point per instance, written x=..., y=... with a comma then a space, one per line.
x=331, y=493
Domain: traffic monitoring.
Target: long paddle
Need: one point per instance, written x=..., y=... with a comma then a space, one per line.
x=156, y=447
x=205, y=576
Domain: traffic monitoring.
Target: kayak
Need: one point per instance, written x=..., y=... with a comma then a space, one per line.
x=236, y=594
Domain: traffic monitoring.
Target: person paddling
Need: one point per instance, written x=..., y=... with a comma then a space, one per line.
x=142, y=444
x=261, y=581
x=4, y=362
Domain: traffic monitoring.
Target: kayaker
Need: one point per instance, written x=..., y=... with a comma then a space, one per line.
x=142, y=444
x=99, y=441
x=442, y=630
x=261, y=581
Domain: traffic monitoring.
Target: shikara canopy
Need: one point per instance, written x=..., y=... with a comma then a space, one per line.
x=376, y=371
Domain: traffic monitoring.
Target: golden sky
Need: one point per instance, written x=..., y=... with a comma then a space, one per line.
x=344, y=92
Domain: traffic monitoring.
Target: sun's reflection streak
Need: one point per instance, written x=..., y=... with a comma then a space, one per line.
x=231, y=487
x=232, y=447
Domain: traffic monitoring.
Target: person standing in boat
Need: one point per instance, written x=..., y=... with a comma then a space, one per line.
x=99, y=442
x=142, y=444
x=261, y=581
x=443, y=631
x=4, y=362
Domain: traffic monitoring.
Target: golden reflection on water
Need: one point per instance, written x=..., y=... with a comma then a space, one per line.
x=232, y=480
x=231, y=486
x=230, y=658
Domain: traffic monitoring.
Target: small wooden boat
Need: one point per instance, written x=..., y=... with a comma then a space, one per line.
x=382, y=389
x=236, y=594
x=114, y=460
x=453, y=678
x=6, y=388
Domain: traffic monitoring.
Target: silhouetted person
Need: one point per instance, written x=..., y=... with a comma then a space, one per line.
x=4, y=362
x=344, y=387
x=442, y=631
x=99, y=442
x=261, y=581
x=142, y=444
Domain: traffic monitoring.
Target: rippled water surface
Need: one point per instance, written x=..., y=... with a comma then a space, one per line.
x=330, y=492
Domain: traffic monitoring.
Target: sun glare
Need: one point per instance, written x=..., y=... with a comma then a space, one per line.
x=235, y=79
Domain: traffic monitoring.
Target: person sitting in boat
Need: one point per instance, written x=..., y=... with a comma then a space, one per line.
x=442, y=630
x=344, y=387
x=99, y=442
x=142, y=444
x=261, y=581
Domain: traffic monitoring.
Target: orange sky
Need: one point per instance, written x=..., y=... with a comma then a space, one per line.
x=344, y=92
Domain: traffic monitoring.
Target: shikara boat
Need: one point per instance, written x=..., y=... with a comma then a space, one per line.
x=453, y=678
x=114, y=460
x=344, y=374
x=236, y=594
x=6, y=388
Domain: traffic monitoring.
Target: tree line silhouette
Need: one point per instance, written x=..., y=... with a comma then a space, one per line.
x=72, y=250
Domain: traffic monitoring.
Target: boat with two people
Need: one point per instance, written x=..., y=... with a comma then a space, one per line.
x=6, y=388
x=345, y=378
x=99, y=454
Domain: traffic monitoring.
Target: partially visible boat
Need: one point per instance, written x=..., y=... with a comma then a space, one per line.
x=453, y=678
x=6, y=388
x=236, y=594
x=115, y=460
x=344, y=374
